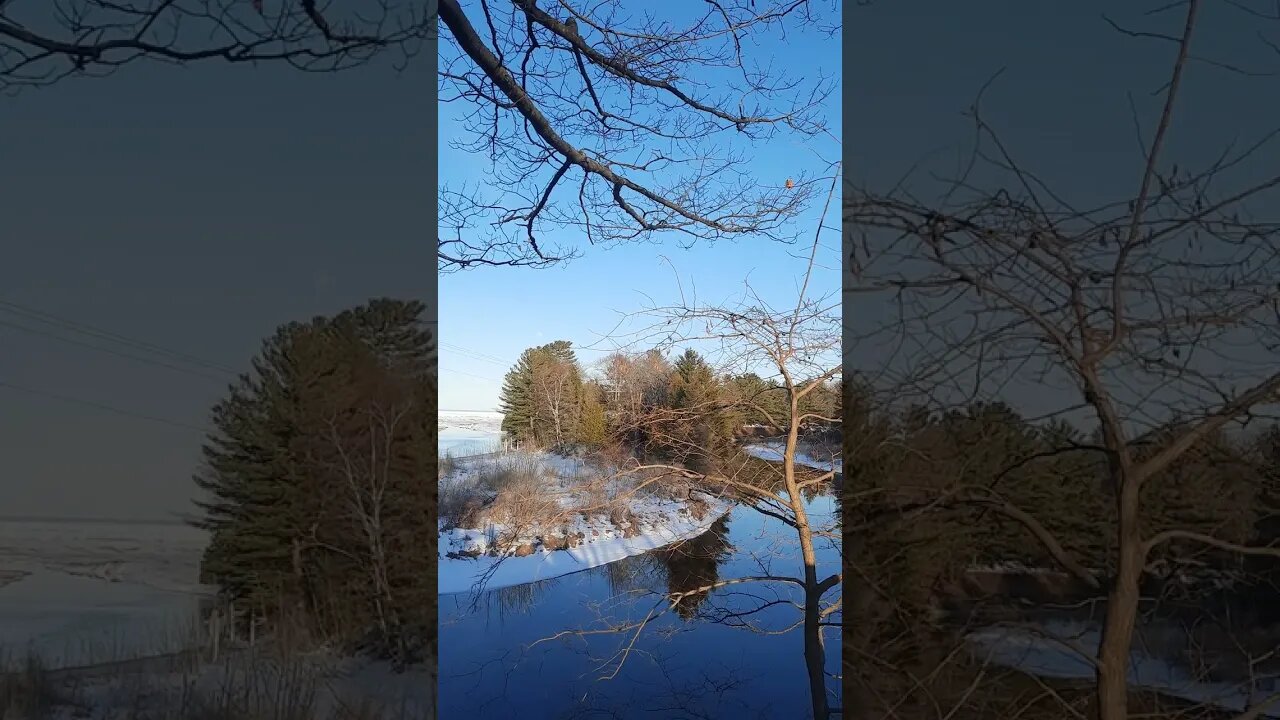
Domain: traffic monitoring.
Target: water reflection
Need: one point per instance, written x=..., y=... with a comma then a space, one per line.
x=497, y=661
x=692, y=565
x=680, y=568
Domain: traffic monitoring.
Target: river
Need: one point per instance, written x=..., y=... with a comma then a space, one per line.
x=1158, y=660
x=697, y=662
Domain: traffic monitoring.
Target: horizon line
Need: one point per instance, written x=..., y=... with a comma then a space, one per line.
x=175, y=519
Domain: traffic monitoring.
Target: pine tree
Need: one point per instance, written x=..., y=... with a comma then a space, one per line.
x=700, y=428
x=541, y=395
x=288, y=528
x=593, y=429
x=557, y=385
x=516, y=399
x=757, y=401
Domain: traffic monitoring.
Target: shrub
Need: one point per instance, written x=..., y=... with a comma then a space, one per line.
x=460, y=503
x=446, y=466
x=27, y=692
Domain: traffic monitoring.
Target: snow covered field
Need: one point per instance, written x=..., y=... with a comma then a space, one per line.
x=592, y=539
x=78, y=592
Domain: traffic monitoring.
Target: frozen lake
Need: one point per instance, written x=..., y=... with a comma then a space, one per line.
x=81, y=592
x=469, y=432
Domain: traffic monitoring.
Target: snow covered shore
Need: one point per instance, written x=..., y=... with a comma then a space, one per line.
x=578, y=540
x=663, y=525
x=772, y=451
x=1037, y=652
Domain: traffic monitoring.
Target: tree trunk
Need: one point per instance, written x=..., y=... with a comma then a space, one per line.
x=814, y=652
x=1122, y=609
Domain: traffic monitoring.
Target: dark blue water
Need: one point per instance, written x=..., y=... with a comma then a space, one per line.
x=700, y=661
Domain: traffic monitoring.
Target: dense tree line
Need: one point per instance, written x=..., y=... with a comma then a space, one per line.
x=681, y=408
x=909, y=528
x=317, y=480
x=1056, y=474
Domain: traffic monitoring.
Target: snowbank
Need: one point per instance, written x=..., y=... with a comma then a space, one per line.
x=1033, y=653
x=584, y=540
x=74, y=592
x=459, y=575
x=772, y=452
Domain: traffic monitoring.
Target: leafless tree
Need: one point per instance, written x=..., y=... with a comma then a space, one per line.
x=598, y=117
x=556, y=385
x=796, y=345
x=799, y=347
x=619, y=123
x=46, y=42
x=365, y=465
x=1157, y=311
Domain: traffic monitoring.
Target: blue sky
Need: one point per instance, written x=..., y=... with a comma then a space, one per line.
x=488, y=316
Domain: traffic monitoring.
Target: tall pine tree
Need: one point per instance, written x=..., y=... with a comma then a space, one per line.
x=541, y=396
x=296, y=520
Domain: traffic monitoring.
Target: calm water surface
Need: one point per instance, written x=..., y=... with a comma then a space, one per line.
x=698, y=662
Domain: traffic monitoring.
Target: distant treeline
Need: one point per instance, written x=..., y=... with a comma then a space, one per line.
x=645, y=402
x=931, y=465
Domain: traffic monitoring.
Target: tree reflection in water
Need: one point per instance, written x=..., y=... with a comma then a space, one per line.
x=710, y=678
x=693, y=564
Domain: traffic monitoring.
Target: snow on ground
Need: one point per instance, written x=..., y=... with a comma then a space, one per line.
x=657, y=522
x=112, y=600
x=772, y=451
x=159, y=555
x=76, y=591
x=663, y=524
x=483, y=421
x=1039, y=655
x=317, y=684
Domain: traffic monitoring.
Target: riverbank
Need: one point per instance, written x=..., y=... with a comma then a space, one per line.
x=693, y=660
x=1042, y=623
x=519, y=518
x=270, y=682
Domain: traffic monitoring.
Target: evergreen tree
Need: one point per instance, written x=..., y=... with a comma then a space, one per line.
x=757, y=401
x=700, y=428
x=516, y=398
x=288, y=501
x=593, y=428
x=541, y=395
x=557, y=384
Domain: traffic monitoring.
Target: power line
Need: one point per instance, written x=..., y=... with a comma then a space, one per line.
x=109, y=351
x=469, y=374
x=476, y=354
x=100, y=406
x=100, y=333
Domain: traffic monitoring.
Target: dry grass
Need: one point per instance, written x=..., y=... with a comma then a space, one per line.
x=28, y=692
x=446, y=466
x=459, y=504
x=275, y=680
x=514, y=490
x=515, y=474
x=526, y=498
